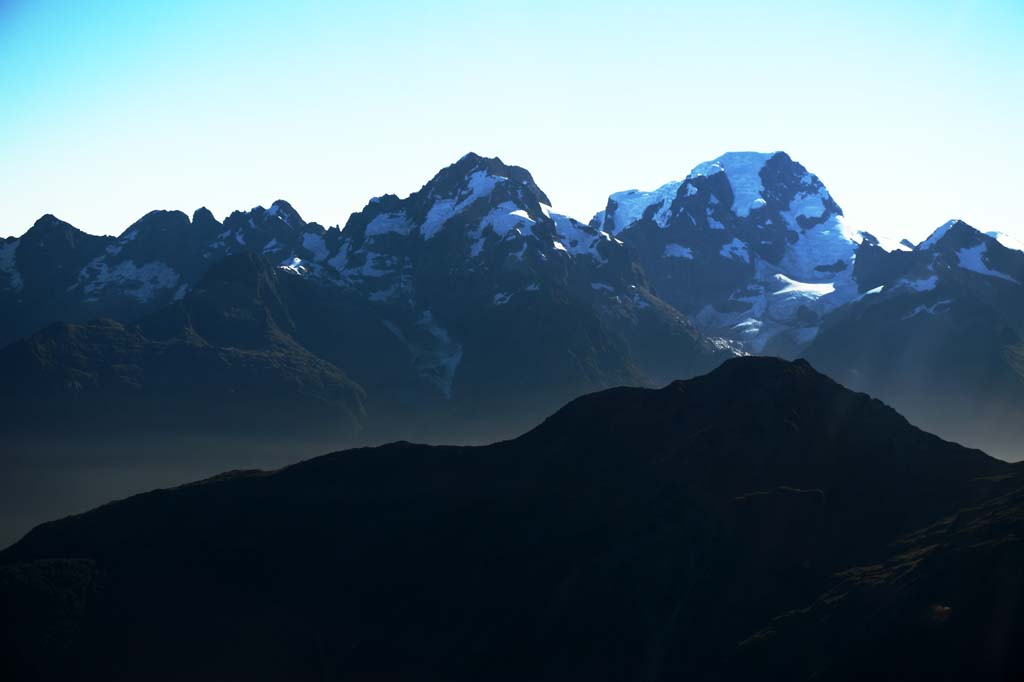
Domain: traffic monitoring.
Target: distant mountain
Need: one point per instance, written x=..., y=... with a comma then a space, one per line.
x=223, y=358
x=940, y=334
x=469, y=306
x=751, y=245
x=734, y=522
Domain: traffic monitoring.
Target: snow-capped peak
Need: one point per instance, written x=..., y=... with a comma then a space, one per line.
x=630, y=205
x=938, y=234
x=283, y=210
x=743, y=170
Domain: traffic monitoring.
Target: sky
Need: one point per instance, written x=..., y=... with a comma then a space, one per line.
x=909, y=112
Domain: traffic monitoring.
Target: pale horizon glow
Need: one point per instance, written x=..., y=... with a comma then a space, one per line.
x=910, y=113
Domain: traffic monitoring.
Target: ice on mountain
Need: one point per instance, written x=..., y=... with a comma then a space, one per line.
x=8, y=264
x=807, y=205
x=973, y=259
x=387, y=223
x=937, y=235
x=505, y=217
x=631, y=205
x=889, y=244
x=294, y=265
x=140, y=282
x=822, y=245
x=678, y=251
x=808, y=289
x=314, y=243
x=435, y=355
x=480, y=184
x=339, y=261
x=932, y=309
x=577, y=238
x=748, y=328
x=735, y=249
x=926, y=284
x=743, y=170
x=439, y=363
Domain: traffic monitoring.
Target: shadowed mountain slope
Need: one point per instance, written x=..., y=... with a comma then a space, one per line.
x=636, y=533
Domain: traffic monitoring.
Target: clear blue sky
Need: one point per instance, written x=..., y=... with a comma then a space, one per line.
x=910, y=112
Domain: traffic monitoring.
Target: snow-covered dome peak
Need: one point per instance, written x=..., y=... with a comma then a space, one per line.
x=743, y=169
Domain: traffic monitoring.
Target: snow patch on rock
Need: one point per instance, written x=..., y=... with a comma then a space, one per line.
x=9, y=266
x=631, y=205
x=387, y=223
x=926, y=284
x=937, y=235
x=808, y=289
x=736, y=249
x=480, y=184
x=973, y=259
x=933, y=309
x=140, y=282
x=314, y=243
x=743, y=170
x=678, y=251
x=293, y=265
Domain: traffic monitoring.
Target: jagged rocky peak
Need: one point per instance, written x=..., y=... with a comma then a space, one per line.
x=952, y=232
x=471, y=202
x=156, y=222
x=285, y=212
x=50, y=237
x=472, y=187
x=48, y=222
x=49, y=226
x=203, y=215
x=963, y=247
x=475, y=175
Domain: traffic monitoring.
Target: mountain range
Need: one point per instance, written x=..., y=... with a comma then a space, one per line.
x=757, y=521
x=471, y=309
